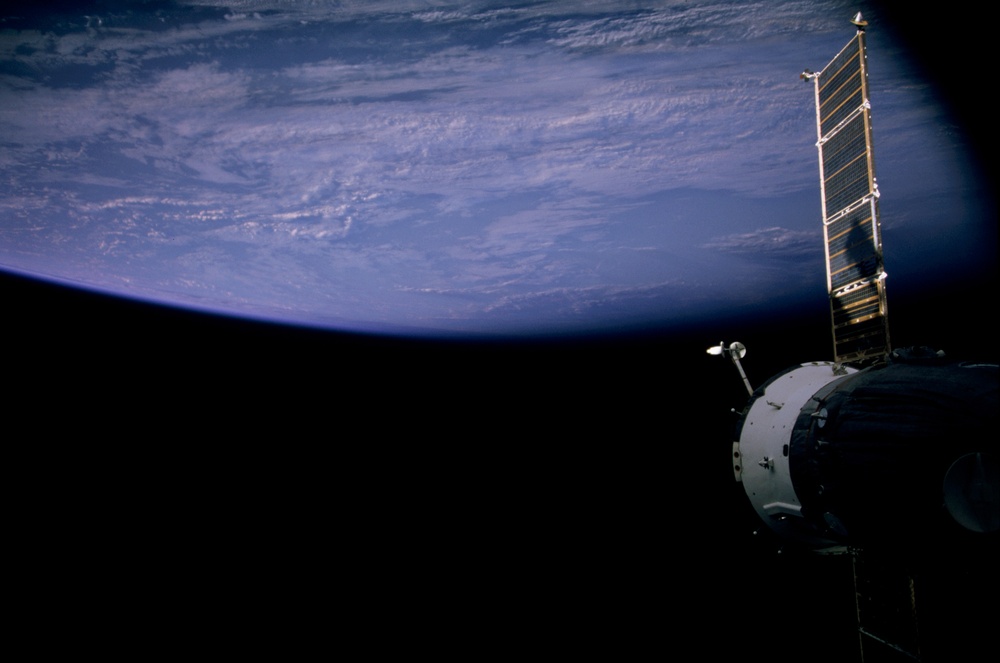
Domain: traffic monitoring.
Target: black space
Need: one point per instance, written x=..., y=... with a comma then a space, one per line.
x=574, y=492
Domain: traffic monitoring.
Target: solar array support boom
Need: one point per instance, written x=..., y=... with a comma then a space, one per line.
x=855, y=272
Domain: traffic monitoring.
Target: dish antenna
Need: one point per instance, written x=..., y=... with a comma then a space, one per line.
x=736, y=352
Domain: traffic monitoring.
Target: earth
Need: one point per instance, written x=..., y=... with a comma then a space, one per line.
x=466, y=169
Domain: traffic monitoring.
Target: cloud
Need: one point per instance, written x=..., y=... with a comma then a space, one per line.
x=515, y=116
x=768, y=243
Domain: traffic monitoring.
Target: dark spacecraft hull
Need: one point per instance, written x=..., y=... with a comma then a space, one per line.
x=869, y=460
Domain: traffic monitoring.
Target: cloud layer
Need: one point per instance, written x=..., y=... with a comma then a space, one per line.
x=386, y=163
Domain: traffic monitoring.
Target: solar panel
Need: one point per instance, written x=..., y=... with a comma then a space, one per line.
x=854, y=267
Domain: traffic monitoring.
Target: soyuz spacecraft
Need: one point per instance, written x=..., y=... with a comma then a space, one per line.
x=880, y=446
x=837, y=453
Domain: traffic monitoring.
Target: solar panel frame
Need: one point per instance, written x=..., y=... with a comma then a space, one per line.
x=851, y=227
